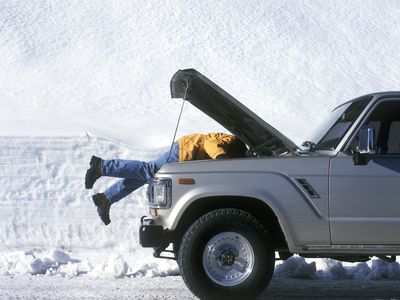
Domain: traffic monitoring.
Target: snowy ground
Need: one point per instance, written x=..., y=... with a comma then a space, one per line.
x=82, y=78
x=172, y=287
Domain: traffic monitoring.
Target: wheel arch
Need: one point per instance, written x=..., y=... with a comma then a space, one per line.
x=259, y=209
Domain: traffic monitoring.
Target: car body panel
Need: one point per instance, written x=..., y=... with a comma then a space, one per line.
x=260, y=179
x=364, y=203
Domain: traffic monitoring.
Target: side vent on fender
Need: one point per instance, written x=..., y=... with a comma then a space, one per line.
x=307, y=188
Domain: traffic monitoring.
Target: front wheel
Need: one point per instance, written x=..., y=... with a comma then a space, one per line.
x=226, y=253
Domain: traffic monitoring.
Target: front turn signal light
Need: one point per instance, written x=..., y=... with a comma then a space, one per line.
x=186, y=181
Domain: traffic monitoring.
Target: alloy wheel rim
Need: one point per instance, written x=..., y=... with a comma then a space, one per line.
x=228, y=258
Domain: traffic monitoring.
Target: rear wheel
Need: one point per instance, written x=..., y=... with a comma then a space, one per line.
x=226, y=253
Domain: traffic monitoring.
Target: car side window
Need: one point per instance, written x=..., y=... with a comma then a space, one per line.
x=394, y=138
x=385, y=120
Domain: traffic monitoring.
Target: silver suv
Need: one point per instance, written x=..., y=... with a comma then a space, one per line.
x=334, y=197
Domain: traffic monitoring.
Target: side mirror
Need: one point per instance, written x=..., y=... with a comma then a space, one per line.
x=366, y=145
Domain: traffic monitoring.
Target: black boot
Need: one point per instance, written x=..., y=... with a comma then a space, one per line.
x=94, y=172
x=103, y=207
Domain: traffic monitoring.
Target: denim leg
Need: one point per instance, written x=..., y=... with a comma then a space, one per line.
x=136, y=169
x=167, y=157
x=135, y=172
x=122, y=188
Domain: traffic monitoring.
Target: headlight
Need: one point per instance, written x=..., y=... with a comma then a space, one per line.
x=159, y=193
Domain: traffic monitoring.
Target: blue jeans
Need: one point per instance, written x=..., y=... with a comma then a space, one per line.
x=135, y=173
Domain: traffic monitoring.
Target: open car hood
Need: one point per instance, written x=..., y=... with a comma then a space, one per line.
x=262, y=138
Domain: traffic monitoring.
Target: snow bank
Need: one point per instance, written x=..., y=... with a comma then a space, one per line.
x=45, y=203
x=57, y=262
x=46, y=206
x=383, y=270
x=29, y=262
x=115, y=267
x=298, y=267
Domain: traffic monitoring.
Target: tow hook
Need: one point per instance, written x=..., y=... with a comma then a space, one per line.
x=148, y=221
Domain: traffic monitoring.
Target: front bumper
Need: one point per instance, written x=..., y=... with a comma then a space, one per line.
x=152, y=235
x=156, y=237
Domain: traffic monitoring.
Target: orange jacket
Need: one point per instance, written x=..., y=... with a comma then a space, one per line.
x=202, y=146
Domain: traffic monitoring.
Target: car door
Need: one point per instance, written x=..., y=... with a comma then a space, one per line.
x=364, y=199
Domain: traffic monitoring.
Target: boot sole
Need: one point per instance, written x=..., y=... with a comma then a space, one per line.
x=89, y=182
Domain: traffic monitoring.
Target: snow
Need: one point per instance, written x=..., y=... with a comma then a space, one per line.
x=104, y=68
x=55, y=287
x=298, y=267
x=92, y=78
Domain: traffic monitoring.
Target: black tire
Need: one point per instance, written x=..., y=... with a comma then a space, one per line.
x=220, y=223
x=175, y=249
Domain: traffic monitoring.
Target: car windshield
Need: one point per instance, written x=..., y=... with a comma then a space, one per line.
x=331, y=132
